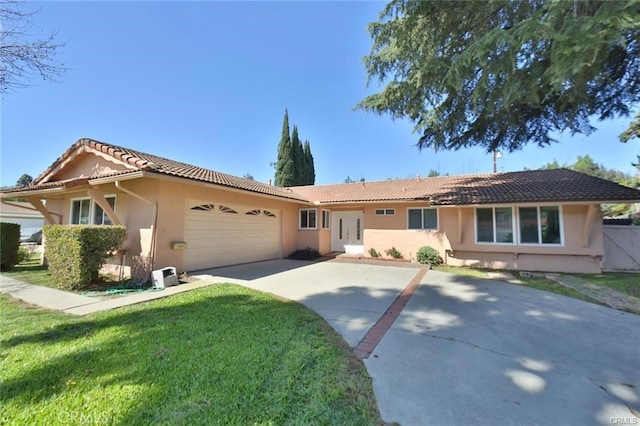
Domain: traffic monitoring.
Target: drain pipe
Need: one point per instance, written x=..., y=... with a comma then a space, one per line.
x=155, y=219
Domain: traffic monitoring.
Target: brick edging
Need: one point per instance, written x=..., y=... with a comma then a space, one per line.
x=384, y=323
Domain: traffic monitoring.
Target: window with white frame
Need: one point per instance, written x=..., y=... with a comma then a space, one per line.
x=307, y=218
x=385, y=212
x=540, y=225
x=494, y=225
x=85, y=211
x=326, y=219
x=422, y=218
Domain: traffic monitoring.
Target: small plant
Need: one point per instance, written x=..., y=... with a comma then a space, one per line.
x=393, y=252
x=374, y=253
x=305, y=254
x=428, y=255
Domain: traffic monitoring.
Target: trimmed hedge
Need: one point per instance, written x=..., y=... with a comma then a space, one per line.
x=9, y=245
x=428, y=255
x=77, y=252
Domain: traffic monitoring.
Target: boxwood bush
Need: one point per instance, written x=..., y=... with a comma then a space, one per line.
x=428, y=255
x=77, y=252
x=9, y=245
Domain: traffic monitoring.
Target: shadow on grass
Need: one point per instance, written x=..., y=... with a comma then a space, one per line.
x=217, y=355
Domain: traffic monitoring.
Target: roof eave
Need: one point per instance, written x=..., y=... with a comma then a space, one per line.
x=35, y=192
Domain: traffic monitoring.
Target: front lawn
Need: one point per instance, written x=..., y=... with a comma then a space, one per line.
x=626, y=283
x=218, y=355
x=538, y=282
x=30, y=271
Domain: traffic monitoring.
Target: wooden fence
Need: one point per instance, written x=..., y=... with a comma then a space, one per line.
x=621, y=248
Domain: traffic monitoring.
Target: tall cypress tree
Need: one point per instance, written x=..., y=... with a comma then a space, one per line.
x=310, y=171
x=297, y=155
x=284, y=166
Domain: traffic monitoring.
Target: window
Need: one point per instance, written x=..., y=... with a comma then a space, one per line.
x=494, y=225
x=225, y=209
x=99, y=215
x=540, y=225
x=423, y=218
x=308, y=218
x=385, y=212
x=84, y=211
x=204, y=207
x=325, y=219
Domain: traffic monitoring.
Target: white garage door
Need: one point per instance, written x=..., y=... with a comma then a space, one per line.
x=220, y=234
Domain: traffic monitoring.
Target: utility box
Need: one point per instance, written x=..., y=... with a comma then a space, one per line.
x=165, y=277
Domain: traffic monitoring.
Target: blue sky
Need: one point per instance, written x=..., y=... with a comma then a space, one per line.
x=207, y=83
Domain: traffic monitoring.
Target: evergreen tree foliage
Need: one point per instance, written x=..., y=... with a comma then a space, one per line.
x=284, y=166
x=633, y=131
x=310, y=170
x=295, y=165
x=24, y=180
x=299, y=164
x=505, y=73
x=586, y=164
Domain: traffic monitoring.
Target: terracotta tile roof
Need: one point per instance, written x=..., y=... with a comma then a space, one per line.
x=513, y=187
x=154, y=164
x=560, y=185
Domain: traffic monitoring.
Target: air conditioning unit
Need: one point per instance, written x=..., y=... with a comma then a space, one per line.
x=165, y=277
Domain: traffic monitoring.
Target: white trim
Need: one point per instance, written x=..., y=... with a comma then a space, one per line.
x=540, y=243
x=437, y=228
x=493, y=218
x=307, y=228
x=515, y=224
x=92, y=207
x=385, y=211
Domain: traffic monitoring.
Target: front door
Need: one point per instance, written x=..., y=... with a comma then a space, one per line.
x=347, y=229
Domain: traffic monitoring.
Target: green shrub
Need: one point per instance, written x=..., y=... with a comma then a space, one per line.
x=393, y=252
x=428, y=255
x=76, y=253
x=23, y=255
x=374, y=253
x=305, y=254
x=9, y=245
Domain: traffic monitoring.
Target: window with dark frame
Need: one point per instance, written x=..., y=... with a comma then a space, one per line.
x=422, y=218
x=307, y=219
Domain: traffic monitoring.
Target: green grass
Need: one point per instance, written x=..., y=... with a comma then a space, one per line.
x=30, y=271
x=218, y=355
x=626, y=283
x=540, y=283
x=463, y=270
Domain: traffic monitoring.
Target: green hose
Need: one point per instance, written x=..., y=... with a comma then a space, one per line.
x=116, y=291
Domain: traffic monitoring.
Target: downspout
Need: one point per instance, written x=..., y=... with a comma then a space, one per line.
x=155, y=218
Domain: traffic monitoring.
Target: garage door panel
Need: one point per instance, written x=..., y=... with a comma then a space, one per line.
x=216, y=236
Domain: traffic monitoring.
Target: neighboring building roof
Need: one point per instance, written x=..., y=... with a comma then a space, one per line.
x=21, y=208
x=559, y=185
x=153, y=164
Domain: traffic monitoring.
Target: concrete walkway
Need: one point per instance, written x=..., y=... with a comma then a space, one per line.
x=603, y=294
x=76, y=304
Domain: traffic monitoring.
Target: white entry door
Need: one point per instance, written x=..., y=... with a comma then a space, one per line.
x=347, y=232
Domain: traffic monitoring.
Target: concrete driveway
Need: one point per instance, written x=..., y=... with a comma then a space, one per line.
x=351, y=297
x=472, y=351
